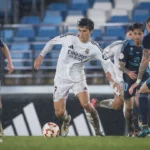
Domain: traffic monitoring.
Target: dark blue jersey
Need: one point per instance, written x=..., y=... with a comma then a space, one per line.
x=131, y=55
x=1, y=43
x=146, y=40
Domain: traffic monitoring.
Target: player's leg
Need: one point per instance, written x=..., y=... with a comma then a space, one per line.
x=81, y=91
x=1, y=129
x=143, y=108
x=60, y=95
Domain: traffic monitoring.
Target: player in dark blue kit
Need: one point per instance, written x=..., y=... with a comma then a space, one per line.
x=130, y=59
x=145, y=88
x=5, y=49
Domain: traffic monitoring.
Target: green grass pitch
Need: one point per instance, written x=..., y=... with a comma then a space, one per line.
x=75, y=143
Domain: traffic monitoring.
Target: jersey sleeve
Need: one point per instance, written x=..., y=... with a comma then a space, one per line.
x=124, y=53
x=108, y=52
x=1, y=43
x=57, y=40
x=146, y=42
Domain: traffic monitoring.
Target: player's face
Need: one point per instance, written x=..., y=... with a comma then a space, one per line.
x=129, y=34
x=137, y=35
x=84, y=34
x=148, y=27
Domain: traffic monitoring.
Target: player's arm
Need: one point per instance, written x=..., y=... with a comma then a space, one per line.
x=123, y=58
x=8, y=56
x=48, y=47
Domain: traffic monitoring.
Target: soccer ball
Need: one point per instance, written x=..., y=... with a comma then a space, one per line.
x=50, y=130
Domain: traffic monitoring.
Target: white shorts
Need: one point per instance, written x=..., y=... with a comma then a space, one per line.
x=63, y=86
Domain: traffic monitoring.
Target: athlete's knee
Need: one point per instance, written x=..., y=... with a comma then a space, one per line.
x=59, y=112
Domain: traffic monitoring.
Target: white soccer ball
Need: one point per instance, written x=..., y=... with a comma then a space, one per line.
x=50, y=130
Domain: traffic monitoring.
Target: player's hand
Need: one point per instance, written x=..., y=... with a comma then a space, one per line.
x=38, y=62
x=10, y=67
x=132, y=75
x=117, y=87
x=131, y=89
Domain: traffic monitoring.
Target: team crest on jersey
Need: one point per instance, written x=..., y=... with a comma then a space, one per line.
x=87, y=51
x=121, y=56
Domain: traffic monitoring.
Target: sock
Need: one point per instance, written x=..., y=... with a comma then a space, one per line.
x=143, y=107
x=107, y=103
x=64, y=118
x=135, y=117
x=128, y=116
x=93, y=118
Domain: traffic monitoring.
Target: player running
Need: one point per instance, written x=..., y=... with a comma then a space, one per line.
x=145, y=88
x=10, y=70
x=130, y=59
x=76, y=50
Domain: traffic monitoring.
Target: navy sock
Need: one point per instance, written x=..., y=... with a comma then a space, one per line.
x=135, y=116
x=143, y=107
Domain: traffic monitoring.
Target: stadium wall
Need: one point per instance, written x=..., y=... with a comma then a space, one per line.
x=25, y=112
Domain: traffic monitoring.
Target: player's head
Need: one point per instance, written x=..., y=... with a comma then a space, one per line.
x=148, y=25
x=129, y=32
x=138, y=32
x=85, y=27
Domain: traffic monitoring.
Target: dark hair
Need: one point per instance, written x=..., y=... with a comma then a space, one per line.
x=138, y=25
x=148, y=20
x=86, y=22
x=130, y=28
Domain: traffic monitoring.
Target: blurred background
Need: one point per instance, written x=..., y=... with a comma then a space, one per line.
x=26, y=26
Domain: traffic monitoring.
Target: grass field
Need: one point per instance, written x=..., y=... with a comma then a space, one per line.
x=75, y=143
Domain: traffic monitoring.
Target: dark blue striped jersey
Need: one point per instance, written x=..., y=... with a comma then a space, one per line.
x=131, y=55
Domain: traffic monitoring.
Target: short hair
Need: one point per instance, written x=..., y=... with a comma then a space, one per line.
x=130, y=28
x=86, y=22
x=138, y=25
x=148, y=20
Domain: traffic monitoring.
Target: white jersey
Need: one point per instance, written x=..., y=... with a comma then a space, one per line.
x=114, y=50
x=73, y=55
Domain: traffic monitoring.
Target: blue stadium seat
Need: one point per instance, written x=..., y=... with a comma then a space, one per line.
x=38, y=46
x=140, y=15
x=80, y=5
x=20, y=46
x=9, y=8
x=20, y=39
x=58, y=6
x=115, y=31
x=144, y=5
x=26, y=32
x=8, y=34
x=30, y=20
x=97, y=33
x=53, y=20
x=110, y=38
x=42, y=38
x=119, y=19
x=48, y=31
x=75, y=12
x=52, y=13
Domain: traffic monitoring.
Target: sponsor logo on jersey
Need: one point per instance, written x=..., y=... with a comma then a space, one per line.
x=87, y=51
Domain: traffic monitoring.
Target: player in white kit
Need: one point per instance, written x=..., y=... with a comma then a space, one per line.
x=76, y=50
x=113, y=50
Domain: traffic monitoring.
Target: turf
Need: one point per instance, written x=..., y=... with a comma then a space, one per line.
x=75, y=143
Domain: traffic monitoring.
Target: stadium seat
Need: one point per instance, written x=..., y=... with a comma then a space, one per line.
x=75, y=12
x=20, y=46
x=30, y=20
x=72, y=29
x=79, y=5
x=143, y=4
x=8, y=34
x=72, y=19
x=41, y=38
x=26, y=32
x=53, y=20
x=3, y=8
x=38, y=46
x=125, y=4
x=107, y=6
x=115, y=31
x=50, y=31
x=20, y=39
x=110, y=38
x=140, y=15
x=97, y=34
x=52, y=13
x=119, y=19
x=92, y=14
x=58, y=6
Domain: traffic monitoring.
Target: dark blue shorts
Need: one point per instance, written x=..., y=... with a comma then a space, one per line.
x=128, y=83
